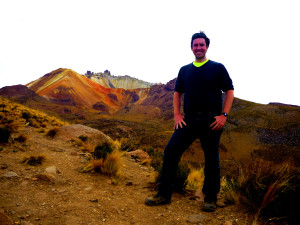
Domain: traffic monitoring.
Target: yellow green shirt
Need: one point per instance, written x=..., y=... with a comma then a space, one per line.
x=198, y=64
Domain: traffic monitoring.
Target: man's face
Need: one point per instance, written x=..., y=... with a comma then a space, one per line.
x=199, y=48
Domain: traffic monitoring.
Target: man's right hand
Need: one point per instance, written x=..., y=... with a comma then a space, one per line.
x=178, y=118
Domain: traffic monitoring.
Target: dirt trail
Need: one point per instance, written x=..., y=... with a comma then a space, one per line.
x=70, y=197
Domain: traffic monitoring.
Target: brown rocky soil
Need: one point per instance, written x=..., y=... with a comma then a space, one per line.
x=29, y=195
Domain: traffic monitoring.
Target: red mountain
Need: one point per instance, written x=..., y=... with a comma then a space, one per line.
x=66, y=87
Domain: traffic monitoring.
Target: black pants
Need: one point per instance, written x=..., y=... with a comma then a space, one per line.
x=182, y=138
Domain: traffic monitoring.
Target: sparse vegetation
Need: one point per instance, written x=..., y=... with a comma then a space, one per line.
x=33, y=160
x=95, y=165
x=110, y=165
x=101, y=151
x=195, y=179
x=229, y=189
x=4, y=134
x=26, y=115
x=106, y=159
x=269, y=190
x=52, y=132
x=2, y=106
x=126, y=144
x=157, y=158
x=113, y=163
x=14, y=115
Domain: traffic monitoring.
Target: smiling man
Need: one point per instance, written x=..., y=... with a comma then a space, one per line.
x=202, y=82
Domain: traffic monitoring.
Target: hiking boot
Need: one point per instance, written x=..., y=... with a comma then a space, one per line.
x=157, y=200
x=209, y=207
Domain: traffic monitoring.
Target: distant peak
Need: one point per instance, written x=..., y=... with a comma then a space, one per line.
x=125, y=82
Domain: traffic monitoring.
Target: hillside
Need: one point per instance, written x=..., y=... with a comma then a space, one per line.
x=22, y=94
x=55, y=192
x=146, y=116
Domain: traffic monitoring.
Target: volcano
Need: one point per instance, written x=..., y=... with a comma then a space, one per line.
x=67, y=87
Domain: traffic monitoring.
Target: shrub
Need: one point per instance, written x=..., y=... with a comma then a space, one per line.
x=115, y=145
x=34, y=123
x=33, y=160
x=126, y=144
x=52, y=132
x=101, y=151
x=111, y=165
x=229, y=189
x=26, y=115
x=93, y=166
x=4, y=134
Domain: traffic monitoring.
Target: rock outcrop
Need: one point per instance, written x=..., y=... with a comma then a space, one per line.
x=125, y=82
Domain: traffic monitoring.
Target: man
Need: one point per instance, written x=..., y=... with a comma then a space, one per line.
x=202, y=83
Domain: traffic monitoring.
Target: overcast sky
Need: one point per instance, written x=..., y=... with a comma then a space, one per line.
x=258, y=41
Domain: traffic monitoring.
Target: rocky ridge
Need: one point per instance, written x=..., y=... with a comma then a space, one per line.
x=125, y=82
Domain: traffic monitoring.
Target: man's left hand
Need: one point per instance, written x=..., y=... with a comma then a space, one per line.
x=219, y=122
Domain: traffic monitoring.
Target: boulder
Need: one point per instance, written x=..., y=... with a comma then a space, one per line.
x=138, y=154
x=73, y=131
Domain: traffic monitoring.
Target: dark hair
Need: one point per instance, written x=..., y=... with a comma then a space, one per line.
x=201, y=34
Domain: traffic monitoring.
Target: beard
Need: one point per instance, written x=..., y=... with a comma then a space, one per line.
x=200, y=55
x=200, y=58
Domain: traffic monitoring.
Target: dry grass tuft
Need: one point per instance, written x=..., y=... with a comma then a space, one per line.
x=110, y=165
x=126, y=144
x=95, y=165
x=269, y=190
x=195, y=179
x=113, y=163
x=229, y=190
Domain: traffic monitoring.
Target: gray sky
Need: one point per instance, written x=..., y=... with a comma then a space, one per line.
x=257, y=41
